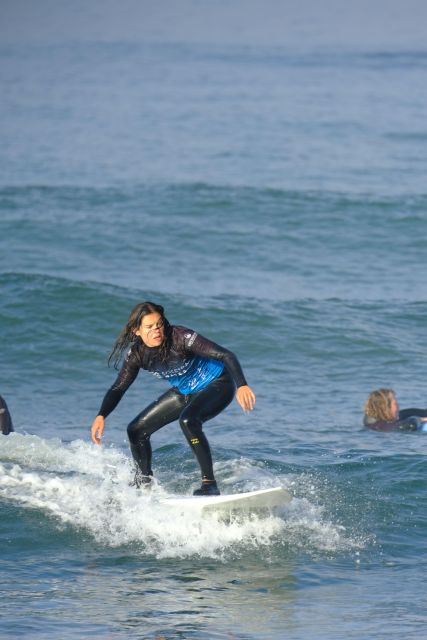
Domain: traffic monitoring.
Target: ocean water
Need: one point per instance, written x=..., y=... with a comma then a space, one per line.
x=270, y=192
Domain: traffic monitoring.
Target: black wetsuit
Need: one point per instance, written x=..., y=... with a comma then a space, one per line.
x=203, y=376
x=5, y=420
x=408, y=421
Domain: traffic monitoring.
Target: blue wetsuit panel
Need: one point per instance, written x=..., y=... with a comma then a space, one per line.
x=200, y=373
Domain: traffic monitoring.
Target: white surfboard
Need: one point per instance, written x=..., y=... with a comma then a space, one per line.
x=260, y=499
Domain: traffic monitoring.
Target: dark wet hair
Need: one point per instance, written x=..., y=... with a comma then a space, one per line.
x=127, y=334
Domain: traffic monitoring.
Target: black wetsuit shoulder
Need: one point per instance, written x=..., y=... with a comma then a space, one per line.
x=195, y=344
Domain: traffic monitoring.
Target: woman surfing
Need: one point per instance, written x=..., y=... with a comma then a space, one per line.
x=204, y=377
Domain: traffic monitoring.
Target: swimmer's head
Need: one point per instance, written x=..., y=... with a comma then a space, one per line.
x=382, y=405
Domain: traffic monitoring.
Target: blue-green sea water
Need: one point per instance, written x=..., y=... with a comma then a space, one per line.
x=260, y=170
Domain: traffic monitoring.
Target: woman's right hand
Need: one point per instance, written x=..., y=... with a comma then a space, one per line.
x=98, y=426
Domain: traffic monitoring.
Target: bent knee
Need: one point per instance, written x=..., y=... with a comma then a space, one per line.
x=136, y=431
x=191, y=426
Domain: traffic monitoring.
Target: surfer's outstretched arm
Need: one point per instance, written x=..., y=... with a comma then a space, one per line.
x=125, y=378
x=206, y=348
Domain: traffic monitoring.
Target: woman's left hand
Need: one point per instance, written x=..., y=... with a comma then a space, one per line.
x=246, y=398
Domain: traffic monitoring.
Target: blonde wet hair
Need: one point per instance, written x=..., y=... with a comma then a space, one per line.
x=378, y=404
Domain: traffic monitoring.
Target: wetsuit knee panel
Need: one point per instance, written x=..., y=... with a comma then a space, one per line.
x=136, y=432
x=190, y=425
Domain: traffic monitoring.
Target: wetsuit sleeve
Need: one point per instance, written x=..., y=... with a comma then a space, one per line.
x=412, y=413
x=201, y=346
x=409, y=419
x=115, y=393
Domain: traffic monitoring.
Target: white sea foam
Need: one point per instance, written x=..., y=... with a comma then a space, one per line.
x=87, y=487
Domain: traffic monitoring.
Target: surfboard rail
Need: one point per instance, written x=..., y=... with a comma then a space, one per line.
x=248, y=500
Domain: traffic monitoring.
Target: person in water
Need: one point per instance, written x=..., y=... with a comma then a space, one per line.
x=204, y=378
x=6, y=426
x=382, y=413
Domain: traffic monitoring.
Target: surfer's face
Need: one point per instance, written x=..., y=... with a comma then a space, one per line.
x=151, y=330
